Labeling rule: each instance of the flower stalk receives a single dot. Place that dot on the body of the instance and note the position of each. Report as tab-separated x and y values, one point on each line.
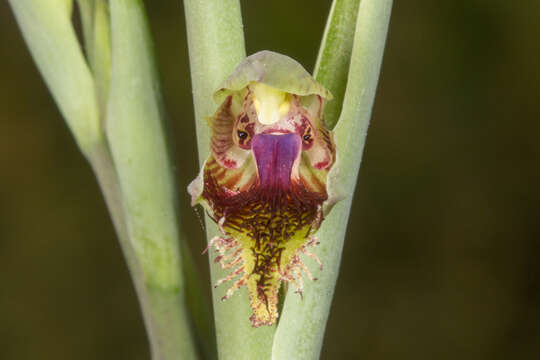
137	135
216	46
301	330
333	61
112	103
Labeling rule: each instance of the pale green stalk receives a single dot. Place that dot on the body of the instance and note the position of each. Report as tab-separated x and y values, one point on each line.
216	47
51	39
47	29
301	329
96	28
86	12
130	158
137	136
334	57
100	55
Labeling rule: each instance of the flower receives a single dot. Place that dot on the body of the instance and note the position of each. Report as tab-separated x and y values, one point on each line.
265	182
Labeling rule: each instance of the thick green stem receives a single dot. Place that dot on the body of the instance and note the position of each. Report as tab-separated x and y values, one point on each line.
301	329
137	136
198	305
47	29
216	46
334	56
101	160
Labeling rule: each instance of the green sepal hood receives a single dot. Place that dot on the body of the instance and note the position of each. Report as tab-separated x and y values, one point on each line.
276	70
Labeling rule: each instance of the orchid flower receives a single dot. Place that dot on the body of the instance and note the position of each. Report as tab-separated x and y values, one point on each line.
265	181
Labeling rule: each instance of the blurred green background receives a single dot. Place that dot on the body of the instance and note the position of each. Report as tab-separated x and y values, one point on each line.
441	261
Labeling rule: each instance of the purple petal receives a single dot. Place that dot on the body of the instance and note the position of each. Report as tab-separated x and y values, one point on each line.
275	156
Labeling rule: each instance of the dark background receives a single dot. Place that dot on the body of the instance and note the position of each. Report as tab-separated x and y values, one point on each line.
441	261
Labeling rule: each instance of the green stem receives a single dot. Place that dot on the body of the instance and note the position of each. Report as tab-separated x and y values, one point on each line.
102	164
198	305
301	329
131	159
48	32
334	56
216	46
86	11
96	27
100	61
137	137
50	36
101	160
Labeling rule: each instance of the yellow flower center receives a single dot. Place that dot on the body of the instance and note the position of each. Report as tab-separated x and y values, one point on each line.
270	103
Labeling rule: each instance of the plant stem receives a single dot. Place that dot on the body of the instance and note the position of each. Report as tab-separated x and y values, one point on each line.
301	329
216	46
102	164
86	11
137	136
334	56
131	160
49	34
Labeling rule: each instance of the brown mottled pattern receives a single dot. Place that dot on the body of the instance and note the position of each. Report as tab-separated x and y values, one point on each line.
270	217
328	140
222	127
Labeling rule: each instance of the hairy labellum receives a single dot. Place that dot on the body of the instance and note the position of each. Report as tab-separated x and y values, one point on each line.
265	181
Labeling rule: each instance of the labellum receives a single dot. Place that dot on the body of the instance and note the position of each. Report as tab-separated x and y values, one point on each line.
265	181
